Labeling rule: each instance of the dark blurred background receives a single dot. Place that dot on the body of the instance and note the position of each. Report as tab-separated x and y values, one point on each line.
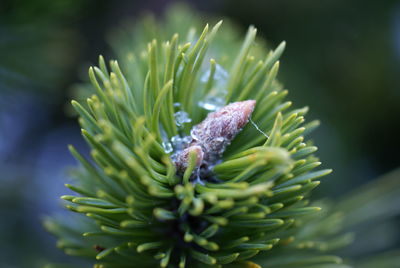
342	60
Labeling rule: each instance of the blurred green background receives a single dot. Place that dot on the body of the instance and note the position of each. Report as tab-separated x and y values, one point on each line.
342	60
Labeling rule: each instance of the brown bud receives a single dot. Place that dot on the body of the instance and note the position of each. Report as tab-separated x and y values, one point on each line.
220	127
210	137
182	158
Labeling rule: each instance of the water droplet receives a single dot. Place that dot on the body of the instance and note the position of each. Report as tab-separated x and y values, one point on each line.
179	143
176	141
198	178
212	103
167	147
187	139
193	135
216	97
182	117
220	76
166	144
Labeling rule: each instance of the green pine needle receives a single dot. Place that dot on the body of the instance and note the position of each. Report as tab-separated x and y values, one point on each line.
140	212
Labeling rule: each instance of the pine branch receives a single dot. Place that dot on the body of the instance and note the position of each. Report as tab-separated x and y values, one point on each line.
240	198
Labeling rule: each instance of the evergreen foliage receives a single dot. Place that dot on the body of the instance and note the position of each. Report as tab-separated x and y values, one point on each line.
135	210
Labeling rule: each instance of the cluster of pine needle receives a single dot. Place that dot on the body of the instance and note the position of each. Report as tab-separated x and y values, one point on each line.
136	211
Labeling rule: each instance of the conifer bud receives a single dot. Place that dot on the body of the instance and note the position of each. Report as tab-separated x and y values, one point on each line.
210	137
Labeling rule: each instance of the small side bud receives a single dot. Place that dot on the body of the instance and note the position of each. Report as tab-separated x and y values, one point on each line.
182	159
